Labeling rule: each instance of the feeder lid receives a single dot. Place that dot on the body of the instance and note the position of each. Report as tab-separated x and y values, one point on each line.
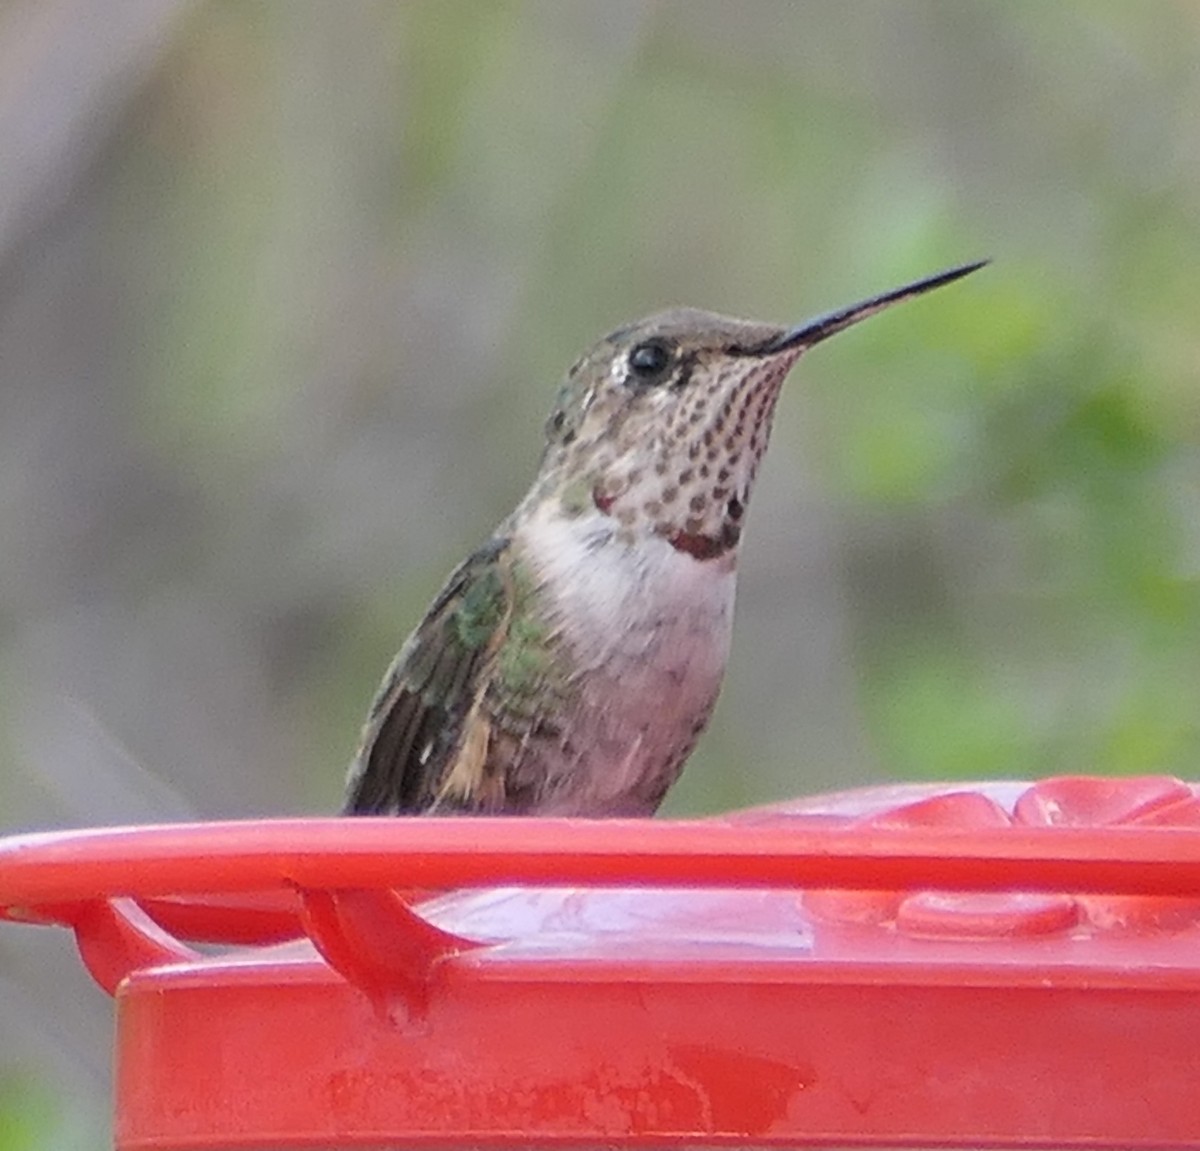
1004	964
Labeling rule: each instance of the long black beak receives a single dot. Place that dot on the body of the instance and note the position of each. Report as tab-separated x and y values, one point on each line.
812	332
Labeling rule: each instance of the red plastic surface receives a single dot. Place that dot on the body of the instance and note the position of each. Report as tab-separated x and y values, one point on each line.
996	965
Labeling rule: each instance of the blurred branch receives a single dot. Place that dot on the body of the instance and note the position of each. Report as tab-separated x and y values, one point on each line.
67	70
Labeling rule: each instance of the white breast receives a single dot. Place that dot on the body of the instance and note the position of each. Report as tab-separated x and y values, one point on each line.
649	630
620	599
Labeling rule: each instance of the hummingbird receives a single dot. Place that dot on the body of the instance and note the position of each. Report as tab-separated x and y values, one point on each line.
569	665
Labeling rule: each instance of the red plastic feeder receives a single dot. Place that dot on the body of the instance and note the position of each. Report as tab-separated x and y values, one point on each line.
998	965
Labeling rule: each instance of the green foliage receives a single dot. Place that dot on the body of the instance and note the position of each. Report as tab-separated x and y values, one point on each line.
1068	641
30	1117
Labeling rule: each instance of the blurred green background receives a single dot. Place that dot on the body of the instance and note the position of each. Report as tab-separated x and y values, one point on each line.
286	289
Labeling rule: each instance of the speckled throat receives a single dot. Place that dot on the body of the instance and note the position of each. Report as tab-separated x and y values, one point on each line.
694	486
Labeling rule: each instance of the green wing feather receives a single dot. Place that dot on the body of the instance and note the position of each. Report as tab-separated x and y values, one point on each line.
425	723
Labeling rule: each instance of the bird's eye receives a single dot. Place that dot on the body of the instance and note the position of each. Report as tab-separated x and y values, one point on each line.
648	361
